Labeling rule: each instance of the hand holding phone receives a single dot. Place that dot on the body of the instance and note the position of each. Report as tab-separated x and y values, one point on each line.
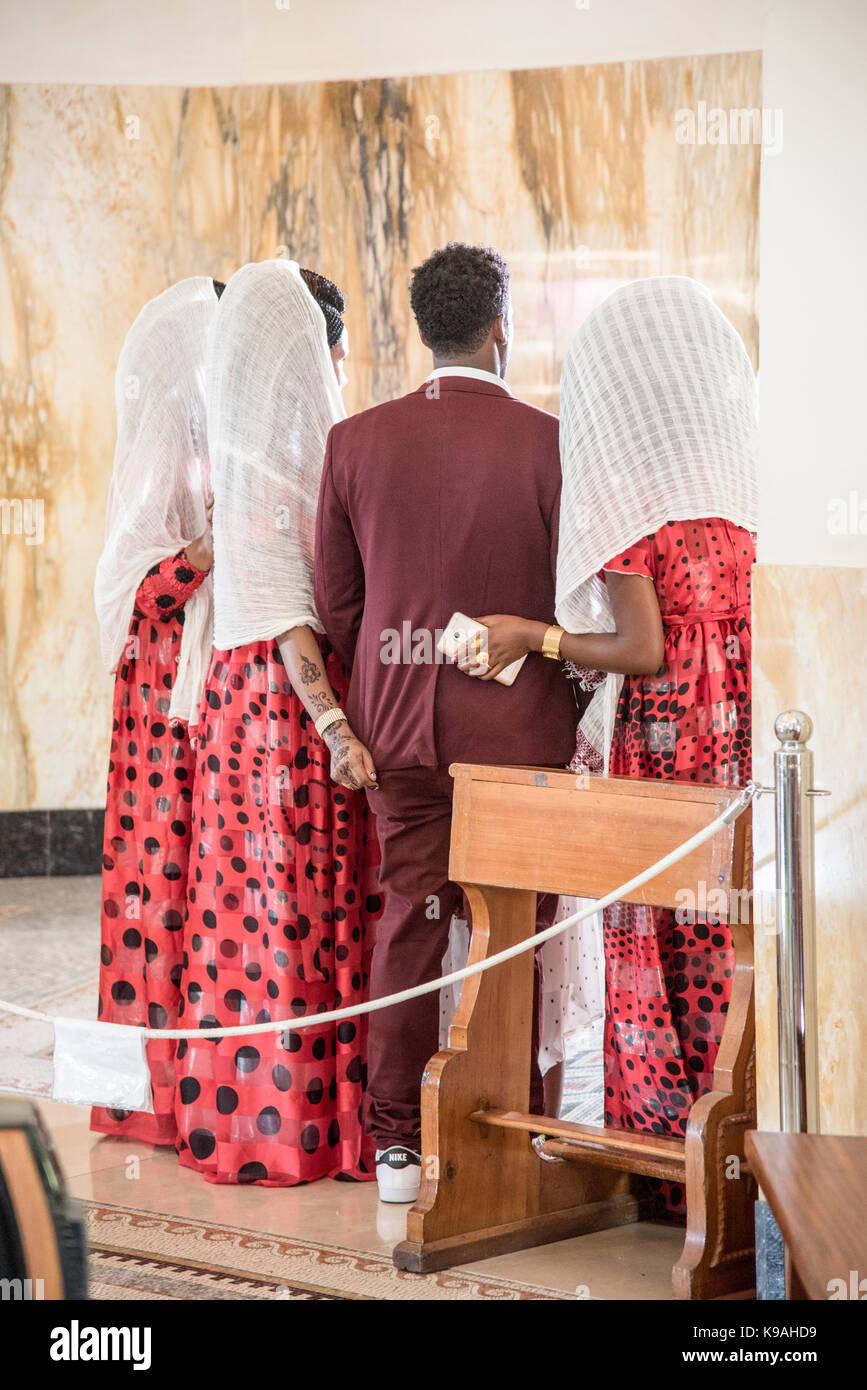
461	631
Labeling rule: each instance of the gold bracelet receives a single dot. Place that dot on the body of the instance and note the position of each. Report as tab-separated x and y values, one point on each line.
551	642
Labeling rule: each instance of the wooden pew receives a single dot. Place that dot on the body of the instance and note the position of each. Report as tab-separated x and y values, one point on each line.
485	1190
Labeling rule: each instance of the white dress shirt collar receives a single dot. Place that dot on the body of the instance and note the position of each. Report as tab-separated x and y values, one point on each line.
477	372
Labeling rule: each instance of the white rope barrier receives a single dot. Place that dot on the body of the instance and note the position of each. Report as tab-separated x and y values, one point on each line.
731	813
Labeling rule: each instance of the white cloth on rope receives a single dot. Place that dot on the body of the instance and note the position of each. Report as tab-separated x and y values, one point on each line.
658	423
101	1064
156	499
272	397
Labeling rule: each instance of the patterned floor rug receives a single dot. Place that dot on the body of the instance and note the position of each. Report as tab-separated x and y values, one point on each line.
138	1255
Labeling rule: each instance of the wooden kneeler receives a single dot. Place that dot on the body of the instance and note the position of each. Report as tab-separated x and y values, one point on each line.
485	1190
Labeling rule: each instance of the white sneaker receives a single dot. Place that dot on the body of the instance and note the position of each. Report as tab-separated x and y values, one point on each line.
398	1174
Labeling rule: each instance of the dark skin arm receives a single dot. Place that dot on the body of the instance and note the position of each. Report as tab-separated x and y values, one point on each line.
201	552
635	648
351	763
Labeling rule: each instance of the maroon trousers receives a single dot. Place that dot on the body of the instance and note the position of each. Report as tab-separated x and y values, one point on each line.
413	809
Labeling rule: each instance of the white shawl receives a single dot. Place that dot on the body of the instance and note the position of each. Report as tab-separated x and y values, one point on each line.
658	423
156	500
272	398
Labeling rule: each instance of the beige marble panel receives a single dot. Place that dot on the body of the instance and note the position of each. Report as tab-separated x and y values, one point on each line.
573	173
280	171
107	195
808	655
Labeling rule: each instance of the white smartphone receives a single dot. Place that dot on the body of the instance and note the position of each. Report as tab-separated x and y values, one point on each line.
461	629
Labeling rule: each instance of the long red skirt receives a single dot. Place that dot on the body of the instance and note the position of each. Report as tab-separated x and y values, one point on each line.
147	835
283	894
668	976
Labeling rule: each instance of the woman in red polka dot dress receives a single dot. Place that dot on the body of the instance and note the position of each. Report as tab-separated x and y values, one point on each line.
668	976
659	443
147	834
156	636
283	866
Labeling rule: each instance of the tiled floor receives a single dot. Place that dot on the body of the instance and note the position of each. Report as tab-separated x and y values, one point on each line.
37	943
630	1262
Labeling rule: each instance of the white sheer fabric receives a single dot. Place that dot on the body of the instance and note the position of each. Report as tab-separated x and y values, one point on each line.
272	398
156	500
573	983
659	422
455	958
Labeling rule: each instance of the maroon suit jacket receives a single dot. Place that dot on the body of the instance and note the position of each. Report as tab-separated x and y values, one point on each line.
438	502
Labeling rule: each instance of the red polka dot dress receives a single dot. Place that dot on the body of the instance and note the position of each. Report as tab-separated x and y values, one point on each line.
668	982
147	835
283	895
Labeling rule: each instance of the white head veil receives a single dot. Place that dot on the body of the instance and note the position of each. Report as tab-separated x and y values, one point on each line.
272	398
156	500
659	422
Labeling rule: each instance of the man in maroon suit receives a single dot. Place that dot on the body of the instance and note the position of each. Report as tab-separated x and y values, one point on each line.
445	500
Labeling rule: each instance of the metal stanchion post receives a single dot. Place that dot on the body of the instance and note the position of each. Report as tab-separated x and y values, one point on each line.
796	931
796	914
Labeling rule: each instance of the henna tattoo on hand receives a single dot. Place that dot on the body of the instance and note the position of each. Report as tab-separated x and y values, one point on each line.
321	702
310	672
342	773
339	741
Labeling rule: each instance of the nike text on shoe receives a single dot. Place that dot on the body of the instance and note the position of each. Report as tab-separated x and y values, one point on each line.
398	1174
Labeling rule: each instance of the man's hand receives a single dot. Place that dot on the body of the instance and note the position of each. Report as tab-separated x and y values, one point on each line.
351	763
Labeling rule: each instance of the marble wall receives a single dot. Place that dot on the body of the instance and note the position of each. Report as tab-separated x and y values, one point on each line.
107	195
803	659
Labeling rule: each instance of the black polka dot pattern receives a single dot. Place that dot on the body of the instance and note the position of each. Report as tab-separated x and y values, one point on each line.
279	926
147	834
668	982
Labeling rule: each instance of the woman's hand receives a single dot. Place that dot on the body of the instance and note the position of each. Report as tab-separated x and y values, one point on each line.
200	553
351	763
507	639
